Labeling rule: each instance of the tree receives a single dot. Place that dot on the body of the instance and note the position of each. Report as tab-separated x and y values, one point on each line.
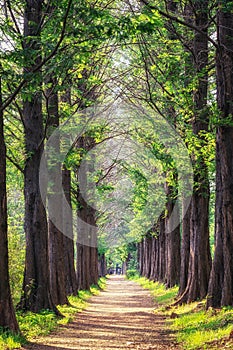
87	254
36	285
55	207
186	212
68	238
220	290
200	259
172	240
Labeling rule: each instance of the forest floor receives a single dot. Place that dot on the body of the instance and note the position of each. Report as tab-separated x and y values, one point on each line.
120	317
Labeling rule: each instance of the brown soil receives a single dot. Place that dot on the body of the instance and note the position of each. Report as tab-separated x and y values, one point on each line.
121	317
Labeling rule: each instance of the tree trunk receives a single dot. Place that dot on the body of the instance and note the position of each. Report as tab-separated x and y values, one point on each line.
36	287
185	251
102	266
200	258
55	207
79	249
157	259
140	258
162	267
217	275
68	238
87	273
153	272
94	265
146	256
221	281
144	252
7	313
172	242
186	215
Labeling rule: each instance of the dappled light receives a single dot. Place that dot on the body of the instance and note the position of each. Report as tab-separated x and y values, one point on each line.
121	317
116	159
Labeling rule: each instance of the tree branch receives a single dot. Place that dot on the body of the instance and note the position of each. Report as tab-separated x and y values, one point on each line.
180	21
41	64
15	164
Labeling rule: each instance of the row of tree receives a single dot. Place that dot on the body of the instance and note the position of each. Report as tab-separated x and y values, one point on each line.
56	61
49	61
203	30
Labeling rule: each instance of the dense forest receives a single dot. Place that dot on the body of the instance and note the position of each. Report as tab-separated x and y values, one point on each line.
116	147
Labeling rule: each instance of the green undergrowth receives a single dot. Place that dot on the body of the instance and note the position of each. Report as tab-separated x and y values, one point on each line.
33	325
194	326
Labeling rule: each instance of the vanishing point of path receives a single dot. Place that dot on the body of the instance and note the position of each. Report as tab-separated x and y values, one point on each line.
121	317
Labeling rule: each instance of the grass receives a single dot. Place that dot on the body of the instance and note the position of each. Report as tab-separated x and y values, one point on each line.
9	340
33	325
198	329
194	327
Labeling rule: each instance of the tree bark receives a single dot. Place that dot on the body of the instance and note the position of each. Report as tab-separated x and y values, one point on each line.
55	207
102	266
185	251
79	262
94	265
146	256
7	313
153	272
140	257
217	276
172	242
162	250
221	281
68	238
87	267
172	234
185	237
200	258
36	286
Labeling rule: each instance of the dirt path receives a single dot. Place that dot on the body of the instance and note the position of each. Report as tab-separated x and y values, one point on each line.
121	317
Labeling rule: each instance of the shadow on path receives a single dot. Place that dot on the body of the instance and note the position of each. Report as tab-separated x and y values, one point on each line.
119	318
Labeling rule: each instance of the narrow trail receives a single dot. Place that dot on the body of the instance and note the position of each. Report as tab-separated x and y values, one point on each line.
121	317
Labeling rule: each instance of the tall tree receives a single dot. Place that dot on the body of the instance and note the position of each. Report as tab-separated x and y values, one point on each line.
36	285
87	253
55	207
221	282
186	212
68	238
200	258
173	235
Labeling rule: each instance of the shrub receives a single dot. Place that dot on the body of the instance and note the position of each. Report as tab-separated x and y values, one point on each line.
131	273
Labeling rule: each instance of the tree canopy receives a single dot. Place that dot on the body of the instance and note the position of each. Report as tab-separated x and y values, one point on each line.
115	146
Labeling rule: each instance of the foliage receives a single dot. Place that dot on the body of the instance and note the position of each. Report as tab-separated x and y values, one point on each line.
132	263
132	274
10	340
36	324
16	238
160	293
116	255
106	54
16	246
